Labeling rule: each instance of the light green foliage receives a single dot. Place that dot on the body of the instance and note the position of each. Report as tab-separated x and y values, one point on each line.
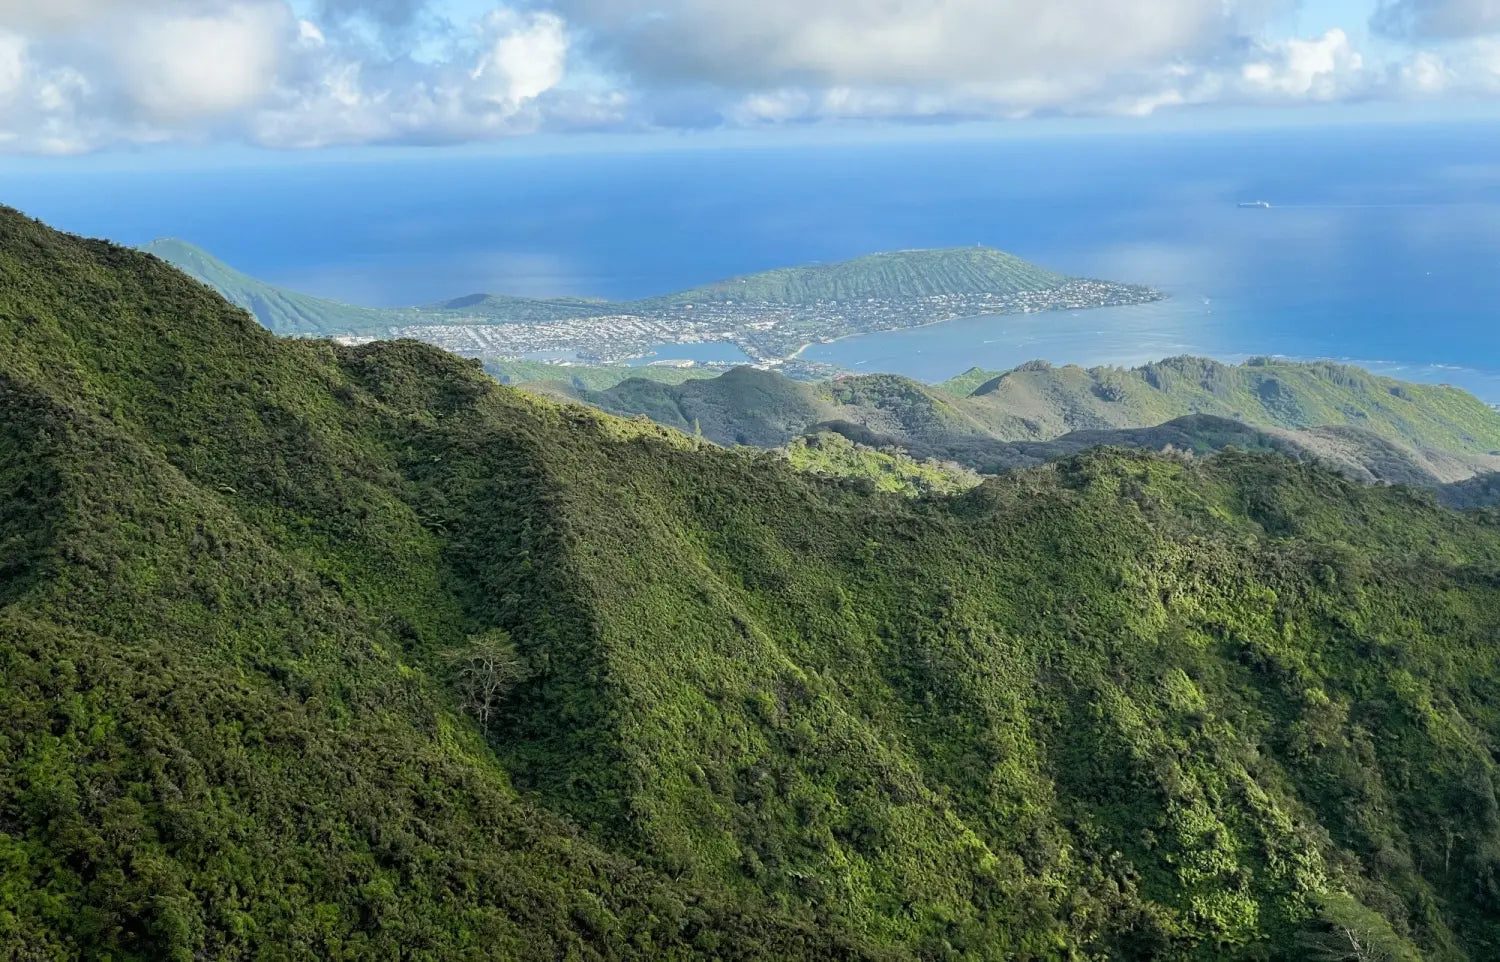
1124	706
964	384
1350	932
833	455
484	671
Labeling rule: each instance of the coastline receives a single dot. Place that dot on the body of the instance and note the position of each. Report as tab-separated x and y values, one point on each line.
797	354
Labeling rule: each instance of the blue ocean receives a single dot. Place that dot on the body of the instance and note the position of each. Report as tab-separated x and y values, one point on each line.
1381	245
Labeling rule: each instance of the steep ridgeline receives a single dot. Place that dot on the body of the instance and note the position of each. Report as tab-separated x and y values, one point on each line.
1373	427
288	312
280	310
1122	707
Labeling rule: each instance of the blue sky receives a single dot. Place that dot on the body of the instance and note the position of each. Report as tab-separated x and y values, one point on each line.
90	76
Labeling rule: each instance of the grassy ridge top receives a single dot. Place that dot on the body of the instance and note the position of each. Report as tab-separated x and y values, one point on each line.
1124	707
890	276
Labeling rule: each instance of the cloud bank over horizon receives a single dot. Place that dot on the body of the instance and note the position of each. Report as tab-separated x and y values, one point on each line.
84	75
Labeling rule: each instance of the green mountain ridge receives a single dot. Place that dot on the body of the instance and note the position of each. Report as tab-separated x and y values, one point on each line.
1124	706
1355	453
290	313
280	310
1377	428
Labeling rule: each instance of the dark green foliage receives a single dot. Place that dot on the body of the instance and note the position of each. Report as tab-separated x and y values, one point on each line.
833	455
1126	706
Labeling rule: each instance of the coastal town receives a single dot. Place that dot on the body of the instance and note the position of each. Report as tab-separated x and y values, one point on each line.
768	334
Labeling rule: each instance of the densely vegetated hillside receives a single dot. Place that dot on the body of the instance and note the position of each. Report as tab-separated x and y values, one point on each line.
1376	428
1125	706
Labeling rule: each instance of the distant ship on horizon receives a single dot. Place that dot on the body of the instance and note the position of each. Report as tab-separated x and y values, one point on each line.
1259	204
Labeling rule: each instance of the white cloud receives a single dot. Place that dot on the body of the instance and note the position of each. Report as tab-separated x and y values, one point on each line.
1438	19
309	34
1295	71
179	68
768	43
86	74
83	74
526	57
775	61
1321	69
1469	69
503	80
12	65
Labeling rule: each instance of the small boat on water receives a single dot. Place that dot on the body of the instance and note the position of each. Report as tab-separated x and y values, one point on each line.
1257	204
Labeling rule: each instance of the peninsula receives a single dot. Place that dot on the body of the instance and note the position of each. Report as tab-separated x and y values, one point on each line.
770	316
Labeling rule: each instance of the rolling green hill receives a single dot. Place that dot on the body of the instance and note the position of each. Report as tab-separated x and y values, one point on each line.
888	276
1046	401
741	406
1375	427
351	653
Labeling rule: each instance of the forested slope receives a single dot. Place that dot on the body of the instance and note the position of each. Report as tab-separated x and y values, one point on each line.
1126	706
